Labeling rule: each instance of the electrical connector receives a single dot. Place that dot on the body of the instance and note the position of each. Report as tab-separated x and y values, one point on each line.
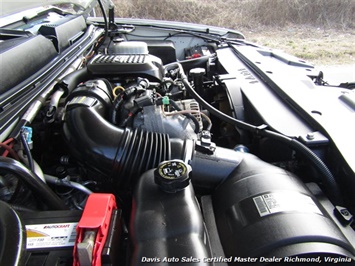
28	136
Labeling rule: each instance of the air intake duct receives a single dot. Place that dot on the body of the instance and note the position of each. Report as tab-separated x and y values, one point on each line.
113	151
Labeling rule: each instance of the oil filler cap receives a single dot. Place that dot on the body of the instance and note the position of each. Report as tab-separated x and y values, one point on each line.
172	176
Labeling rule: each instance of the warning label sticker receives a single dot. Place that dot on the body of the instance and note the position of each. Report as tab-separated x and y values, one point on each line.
275	202
50	235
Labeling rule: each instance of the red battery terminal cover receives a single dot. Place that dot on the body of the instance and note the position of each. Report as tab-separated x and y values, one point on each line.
95	218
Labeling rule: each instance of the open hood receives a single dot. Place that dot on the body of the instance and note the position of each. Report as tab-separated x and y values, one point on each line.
132	141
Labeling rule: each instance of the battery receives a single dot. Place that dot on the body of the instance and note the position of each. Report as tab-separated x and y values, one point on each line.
50	236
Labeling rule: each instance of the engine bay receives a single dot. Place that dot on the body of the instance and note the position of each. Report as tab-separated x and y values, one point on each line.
185	148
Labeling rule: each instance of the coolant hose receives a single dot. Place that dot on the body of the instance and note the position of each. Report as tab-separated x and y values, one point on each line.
34	182
328	179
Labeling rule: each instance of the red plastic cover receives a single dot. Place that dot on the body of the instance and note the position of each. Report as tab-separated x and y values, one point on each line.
96	216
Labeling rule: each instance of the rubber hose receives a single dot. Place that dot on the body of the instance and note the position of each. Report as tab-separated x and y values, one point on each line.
34	182
328	179
69	82
115	109
67	183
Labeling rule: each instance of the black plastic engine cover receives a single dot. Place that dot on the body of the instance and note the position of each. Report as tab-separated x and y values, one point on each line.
144	65
264	211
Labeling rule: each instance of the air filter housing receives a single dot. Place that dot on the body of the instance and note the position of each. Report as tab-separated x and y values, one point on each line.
265	211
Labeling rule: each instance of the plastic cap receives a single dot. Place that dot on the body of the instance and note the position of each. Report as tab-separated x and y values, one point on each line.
172	176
